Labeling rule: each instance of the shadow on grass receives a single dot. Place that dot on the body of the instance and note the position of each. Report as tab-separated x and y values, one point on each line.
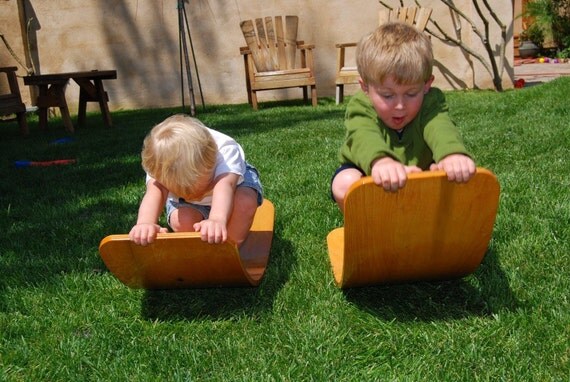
485	292
53	218
223	303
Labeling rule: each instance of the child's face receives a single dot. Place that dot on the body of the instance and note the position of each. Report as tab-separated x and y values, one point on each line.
396	105
202	188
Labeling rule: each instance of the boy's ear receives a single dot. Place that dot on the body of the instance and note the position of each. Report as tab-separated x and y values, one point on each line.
363	85
428	83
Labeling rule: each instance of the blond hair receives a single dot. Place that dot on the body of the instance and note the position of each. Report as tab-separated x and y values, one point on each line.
395	50
178	152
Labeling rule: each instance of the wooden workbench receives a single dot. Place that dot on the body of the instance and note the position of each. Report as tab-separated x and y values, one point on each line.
52	94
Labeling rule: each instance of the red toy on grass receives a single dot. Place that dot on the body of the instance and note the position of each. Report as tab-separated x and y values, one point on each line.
58	162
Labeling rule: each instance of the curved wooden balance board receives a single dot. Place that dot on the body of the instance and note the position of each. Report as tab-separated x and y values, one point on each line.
432	229
183	260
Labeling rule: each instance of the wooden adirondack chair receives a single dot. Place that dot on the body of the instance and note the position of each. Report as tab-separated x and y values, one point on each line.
432	229
11	102
183	260
346	75
270	58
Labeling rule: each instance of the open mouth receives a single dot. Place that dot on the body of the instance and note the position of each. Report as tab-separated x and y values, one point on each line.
398	120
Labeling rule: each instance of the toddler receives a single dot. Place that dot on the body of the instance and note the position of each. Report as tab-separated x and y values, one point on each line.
202	178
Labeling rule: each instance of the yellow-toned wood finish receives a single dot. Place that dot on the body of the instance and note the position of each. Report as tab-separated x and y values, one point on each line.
270	58
346	74
432	229
183	260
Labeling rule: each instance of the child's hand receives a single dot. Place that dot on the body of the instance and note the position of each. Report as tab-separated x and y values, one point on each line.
145	233
458	167
212	231
391	174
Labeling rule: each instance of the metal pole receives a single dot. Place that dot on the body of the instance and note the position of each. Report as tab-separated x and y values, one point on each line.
194	57
183	49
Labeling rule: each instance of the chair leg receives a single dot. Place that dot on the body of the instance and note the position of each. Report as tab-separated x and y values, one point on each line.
254	100
249	96
305	94
339	93
314	95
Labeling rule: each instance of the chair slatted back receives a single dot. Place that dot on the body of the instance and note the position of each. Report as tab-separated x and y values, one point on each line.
272	43
418	17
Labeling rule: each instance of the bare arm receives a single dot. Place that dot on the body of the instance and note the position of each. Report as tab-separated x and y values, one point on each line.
214	229
144	232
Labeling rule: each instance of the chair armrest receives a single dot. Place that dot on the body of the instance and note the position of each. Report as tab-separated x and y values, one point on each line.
301	45
244	50
346	45
340	54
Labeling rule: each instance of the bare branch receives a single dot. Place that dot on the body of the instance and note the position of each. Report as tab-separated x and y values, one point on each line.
444	37
503	27
484	35
494	15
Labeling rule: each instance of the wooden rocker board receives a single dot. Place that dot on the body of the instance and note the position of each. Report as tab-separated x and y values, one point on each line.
183	260
432	229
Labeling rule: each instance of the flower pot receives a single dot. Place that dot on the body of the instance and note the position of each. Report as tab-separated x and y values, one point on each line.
528	49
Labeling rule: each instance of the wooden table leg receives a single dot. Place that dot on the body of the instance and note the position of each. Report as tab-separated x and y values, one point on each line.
43	107
54	96
82	109
92	92
58	93
102	98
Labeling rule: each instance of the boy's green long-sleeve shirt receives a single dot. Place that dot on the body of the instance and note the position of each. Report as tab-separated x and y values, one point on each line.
430	136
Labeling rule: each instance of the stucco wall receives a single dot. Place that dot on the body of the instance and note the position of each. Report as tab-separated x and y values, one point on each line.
139	38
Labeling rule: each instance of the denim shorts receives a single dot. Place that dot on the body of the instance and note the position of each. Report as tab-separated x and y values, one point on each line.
250	179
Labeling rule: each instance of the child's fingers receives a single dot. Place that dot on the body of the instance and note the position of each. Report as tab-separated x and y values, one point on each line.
211	232
144	234
434	167
460	171
412	169
393	179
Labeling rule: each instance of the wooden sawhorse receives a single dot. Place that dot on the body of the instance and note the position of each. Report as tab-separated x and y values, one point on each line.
52	94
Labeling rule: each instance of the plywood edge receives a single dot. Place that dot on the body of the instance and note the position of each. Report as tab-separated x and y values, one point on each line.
254	252
335	244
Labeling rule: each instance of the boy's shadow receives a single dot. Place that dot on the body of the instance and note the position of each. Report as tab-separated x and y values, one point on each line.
223	303
487	293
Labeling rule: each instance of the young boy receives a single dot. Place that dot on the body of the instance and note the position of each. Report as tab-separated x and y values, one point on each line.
398	124
203	179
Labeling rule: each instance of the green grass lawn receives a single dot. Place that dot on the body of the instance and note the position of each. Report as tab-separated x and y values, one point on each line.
64	317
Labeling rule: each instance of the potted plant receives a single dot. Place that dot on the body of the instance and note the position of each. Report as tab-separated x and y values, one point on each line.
532	39
563	55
